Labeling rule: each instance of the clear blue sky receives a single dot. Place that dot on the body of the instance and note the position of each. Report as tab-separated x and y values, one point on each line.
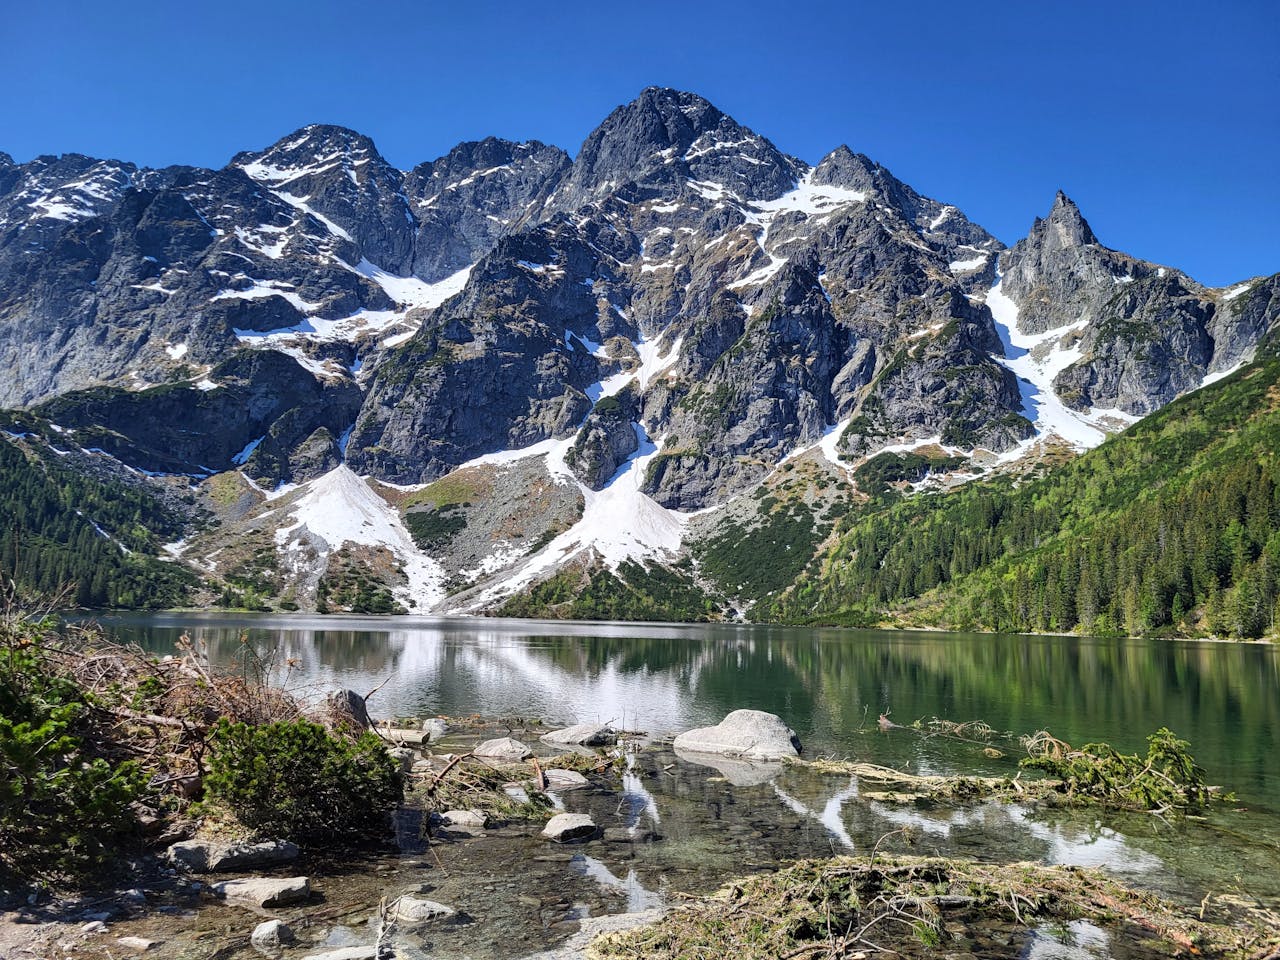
1162	120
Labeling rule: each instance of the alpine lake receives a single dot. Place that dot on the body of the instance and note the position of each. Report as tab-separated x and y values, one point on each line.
517	895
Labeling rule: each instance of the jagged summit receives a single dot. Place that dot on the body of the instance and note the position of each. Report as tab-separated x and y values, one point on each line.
1065	226
666	136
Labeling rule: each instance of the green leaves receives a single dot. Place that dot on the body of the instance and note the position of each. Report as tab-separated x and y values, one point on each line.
63	810
293	781
1168	778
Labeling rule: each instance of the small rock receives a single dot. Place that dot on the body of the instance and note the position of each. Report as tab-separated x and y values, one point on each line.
97	915
569	828
582	735
466	818
209	856
271	934
503	748
411	910
565	779
407	756
434	728
346	953
263	891
94	927
749	734
137	944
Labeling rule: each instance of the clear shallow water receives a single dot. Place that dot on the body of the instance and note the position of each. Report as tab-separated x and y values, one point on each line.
830	685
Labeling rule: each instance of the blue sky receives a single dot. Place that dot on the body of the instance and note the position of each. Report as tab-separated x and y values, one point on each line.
1162	120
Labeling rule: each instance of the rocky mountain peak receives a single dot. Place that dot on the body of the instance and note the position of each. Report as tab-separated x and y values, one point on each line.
666	137
308	152
1065	227
844	168
5	159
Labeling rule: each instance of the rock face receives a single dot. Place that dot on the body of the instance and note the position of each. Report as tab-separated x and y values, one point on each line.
264	892
207	856
1145	333
745	734
570	828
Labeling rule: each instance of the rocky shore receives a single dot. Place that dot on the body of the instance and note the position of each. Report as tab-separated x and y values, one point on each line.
516	841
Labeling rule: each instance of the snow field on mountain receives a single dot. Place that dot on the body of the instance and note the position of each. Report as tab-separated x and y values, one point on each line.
340	508
1035	360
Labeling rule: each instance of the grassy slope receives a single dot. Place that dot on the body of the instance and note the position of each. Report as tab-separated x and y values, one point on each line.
1170	527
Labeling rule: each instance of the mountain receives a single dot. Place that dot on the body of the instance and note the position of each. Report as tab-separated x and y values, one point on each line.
664	371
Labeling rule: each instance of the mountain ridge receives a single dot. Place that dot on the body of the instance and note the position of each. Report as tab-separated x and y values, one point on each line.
661	324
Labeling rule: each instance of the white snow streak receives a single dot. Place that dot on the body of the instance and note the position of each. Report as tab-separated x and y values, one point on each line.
1040	404
340	508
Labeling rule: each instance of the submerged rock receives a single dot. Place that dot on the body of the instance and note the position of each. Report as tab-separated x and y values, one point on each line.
346	953
411	910
210	856
739	772
570	827
503	748
748	734
264	891
582	735
137	944
271	934
565	779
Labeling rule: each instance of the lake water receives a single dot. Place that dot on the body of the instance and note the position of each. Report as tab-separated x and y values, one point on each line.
830	686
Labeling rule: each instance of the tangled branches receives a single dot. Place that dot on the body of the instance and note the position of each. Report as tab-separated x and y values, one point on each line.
847	906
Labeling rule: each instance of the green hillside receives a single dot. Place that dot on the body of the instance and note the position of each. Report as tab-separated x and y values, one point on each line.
61	529
1172	527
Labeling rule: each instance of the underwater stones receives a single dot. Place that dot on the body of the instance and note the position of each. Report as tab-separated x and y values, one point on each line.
570	828
503	748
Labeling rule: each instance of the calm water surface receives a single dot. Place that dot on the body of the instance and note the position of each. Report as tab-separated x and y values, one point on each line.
830	685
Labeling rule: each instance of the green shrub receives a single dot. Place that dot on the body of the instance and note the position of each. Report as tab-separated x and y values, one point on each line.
292	780
63	809
1168	777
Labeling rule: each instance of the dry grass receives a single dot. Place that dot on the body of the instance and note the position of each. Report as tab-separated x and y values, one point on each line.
905	906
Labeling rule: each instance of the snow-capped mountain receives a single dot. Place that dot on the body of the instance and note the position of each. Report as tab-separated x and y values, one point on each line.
459	378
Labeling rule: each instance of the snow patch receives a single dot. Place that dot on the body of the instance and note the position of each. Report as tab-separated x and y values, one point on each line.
340	508
176	351
1036	359
241	458
1238	290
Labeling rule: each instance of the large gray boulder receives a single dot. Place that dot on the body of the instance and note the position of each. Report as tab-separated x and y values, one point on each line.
210	856
747	734
413	911
263	891
582	735
570	827
271	935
